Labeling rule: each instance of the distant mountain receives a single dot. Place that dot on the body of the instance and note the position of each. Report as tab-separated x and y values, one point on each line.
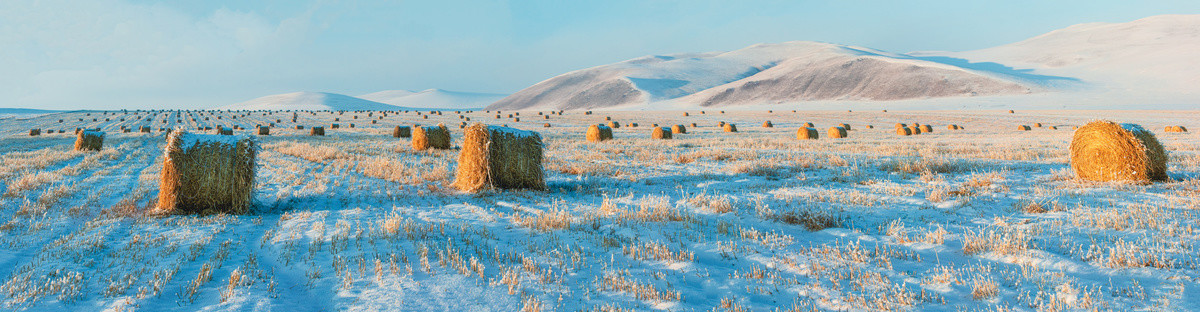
24	112
1156	53
309	101
434	98
792	71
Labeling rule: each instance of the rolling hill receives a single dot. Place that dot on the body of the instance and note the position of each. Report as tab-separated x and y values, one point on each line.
309	101
434	99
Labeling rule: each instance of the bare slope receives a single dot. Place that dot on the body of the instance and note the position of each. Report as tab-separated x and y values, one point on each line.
309	101
434	98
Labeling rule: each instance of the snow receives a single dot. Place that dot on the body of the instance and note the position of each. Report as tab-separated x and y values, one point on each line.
310	101
434	98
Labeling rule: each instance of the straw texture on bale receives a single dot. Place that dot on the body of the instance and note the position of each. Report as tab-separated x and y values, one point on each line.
89	140
597	133
914	129
1107	151
499	157
807	134
426	137
837	132
205	174
317	131
1023	128
926	129
952	127
900	125
903	131
614	125
660	133
1175	129
679	129
401	132
730	128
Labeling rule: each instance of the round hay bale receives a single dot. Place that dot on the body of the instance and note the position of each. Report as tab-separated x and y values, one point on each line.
914	129
903	131
926	129
1107	151
680	129
607	118
1023	128
685	114
426	137
89	140
264	130
767	124
845	126
220	130
730	128
35	132
1052	128
499	157
1176	129
808	133
660	133
614	125
809	125
401	132
837	132
546	125
634	125
951	127
299	127
205	174
334	126
694	125
870	126
1038	125
597	133
1010	111
316	131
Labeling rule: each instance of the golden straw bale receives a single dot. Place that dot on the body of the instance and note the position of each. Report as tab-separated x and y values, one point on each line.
845	126
1107	151
914	129
426	137
952	127
660	133
806	133
837	132
35	132
809	125
89	140
903	131
597	133
316	131
900	125
207	174
401	132
679	129
1023	128
1052	128
730	128
614	125
767	124
264	130
499	157
926	129
1037	125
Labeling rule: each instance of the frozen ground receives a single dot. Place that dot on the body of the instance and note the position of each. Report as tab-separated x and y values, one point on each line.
985	218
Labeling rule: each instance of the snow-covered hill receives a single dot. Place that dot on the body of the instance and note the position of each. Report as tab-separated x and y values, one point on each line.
1157	54
434	98
789	71
309	101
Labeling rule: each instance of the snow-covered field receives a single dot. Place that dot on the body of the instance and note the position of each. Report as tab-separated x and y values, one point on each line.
986	218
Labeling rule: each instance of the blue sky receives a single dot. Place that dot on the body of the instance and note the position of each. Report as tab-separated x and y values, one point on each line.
109	54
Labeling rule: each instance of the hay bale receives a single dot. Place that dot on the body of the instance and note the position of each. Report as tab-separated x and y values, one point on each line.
222	131
1039	125
767	124
730	128
1176	129
334	126
685	114
926	129
845	126
660	133
35	132
264	130
694	125
903	131
837	132
679	129
614	125
1023	128
1010	111
597	133
634	125
914	129
426	137
806	133
89	141
401	132
499	157
205	174
1107	151
546	125
952	127
316	131
1052	128
809	125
